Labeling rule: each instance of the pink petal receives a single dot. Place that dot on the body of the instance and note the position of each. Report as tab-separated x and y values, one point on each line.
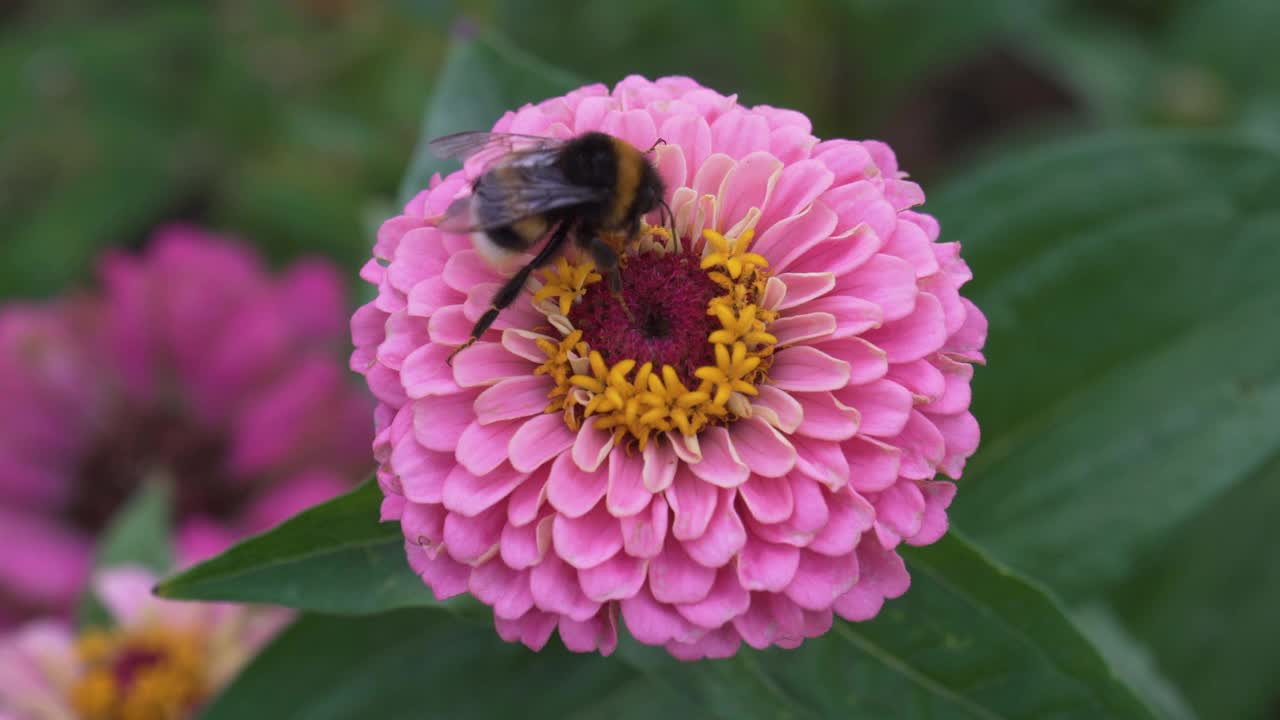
423	525
799	184
849	515
513	398
823	461
909	242
449	326
726	600
617	578
644	533
853	315
591	447
764	450
914	336
485	363
873	466
866	361
660	463
937	497
470	494
589	540
881	575
955	398
922	446
502	588
885	406
767	566
480	448
425	372
571	490
438	422
445	576
525	546
539	440
715	645
738	133
746	186
651	622
556	590
778	408
800	288
675	578
692	134
920	377
826	418
526	501
807	369
886	281
693	502
901	508
724	537
627	494
768	499
533	630
598	633
472	540
793	329
422	472
790	238
820	579
720	463
962	435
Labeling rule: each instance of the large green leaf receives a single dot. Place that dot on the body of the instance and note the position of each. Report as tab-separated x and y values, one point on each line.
969	640
1206	602
1135	374
335	557
483	77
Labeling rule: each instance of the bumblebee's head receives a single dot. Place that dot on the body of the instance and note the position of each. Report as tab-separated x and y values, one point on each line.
651	195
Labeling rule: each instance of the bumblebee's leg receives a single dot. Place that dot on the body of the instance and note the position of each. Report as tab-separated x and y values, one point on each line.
606	260
508	293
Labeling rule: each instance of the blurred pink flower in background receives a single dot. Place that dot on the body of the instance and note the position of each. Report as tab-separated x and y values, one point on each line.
160	660
818	358
192	365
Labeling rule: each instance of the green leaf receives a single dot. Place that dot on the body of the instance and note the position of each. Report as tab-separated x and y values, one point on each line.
482	78
1124	278
969	640
1206	602
1133	661
416	664
138	535
335	557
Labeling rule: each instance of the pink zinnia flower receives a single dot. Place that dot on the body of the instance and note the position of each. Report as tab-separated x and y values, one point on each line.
737	464
193	365
160	660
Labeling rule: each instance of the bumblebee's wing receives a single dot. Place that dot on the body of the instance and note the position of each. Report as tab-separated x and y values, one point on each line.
465	145
517	191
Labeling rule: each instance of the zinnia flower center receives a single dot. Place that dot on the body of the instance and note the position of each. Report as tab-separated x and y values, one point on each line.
153	674
685	352
139	444
667	296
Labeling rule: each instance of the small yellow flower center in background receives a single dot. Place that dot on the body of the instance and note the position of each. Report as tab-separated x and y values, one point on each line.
149	674
631	398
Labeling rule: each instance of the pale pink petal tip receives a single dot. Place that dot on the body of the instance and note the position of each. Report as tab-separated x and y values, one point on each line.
759	531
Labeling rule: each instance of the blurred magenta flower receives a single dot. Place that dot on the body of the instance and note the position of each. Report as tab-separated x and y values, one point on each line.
193	365
160	660
738	463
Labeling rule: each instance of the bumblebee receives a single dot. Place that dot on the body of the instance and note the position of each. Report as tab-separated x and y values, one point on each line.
592	189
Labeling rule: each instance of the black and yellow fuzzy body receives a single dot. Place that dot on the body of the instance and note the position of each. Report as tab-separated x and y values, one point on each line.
542	190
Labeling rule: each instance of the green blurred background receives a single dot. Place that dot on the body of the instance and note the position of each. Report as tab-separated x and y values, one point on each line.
291	123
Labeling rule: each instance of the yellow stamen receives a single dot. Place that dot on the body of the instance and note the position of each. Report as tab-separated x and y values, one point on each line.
637	401
567	282
153	673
